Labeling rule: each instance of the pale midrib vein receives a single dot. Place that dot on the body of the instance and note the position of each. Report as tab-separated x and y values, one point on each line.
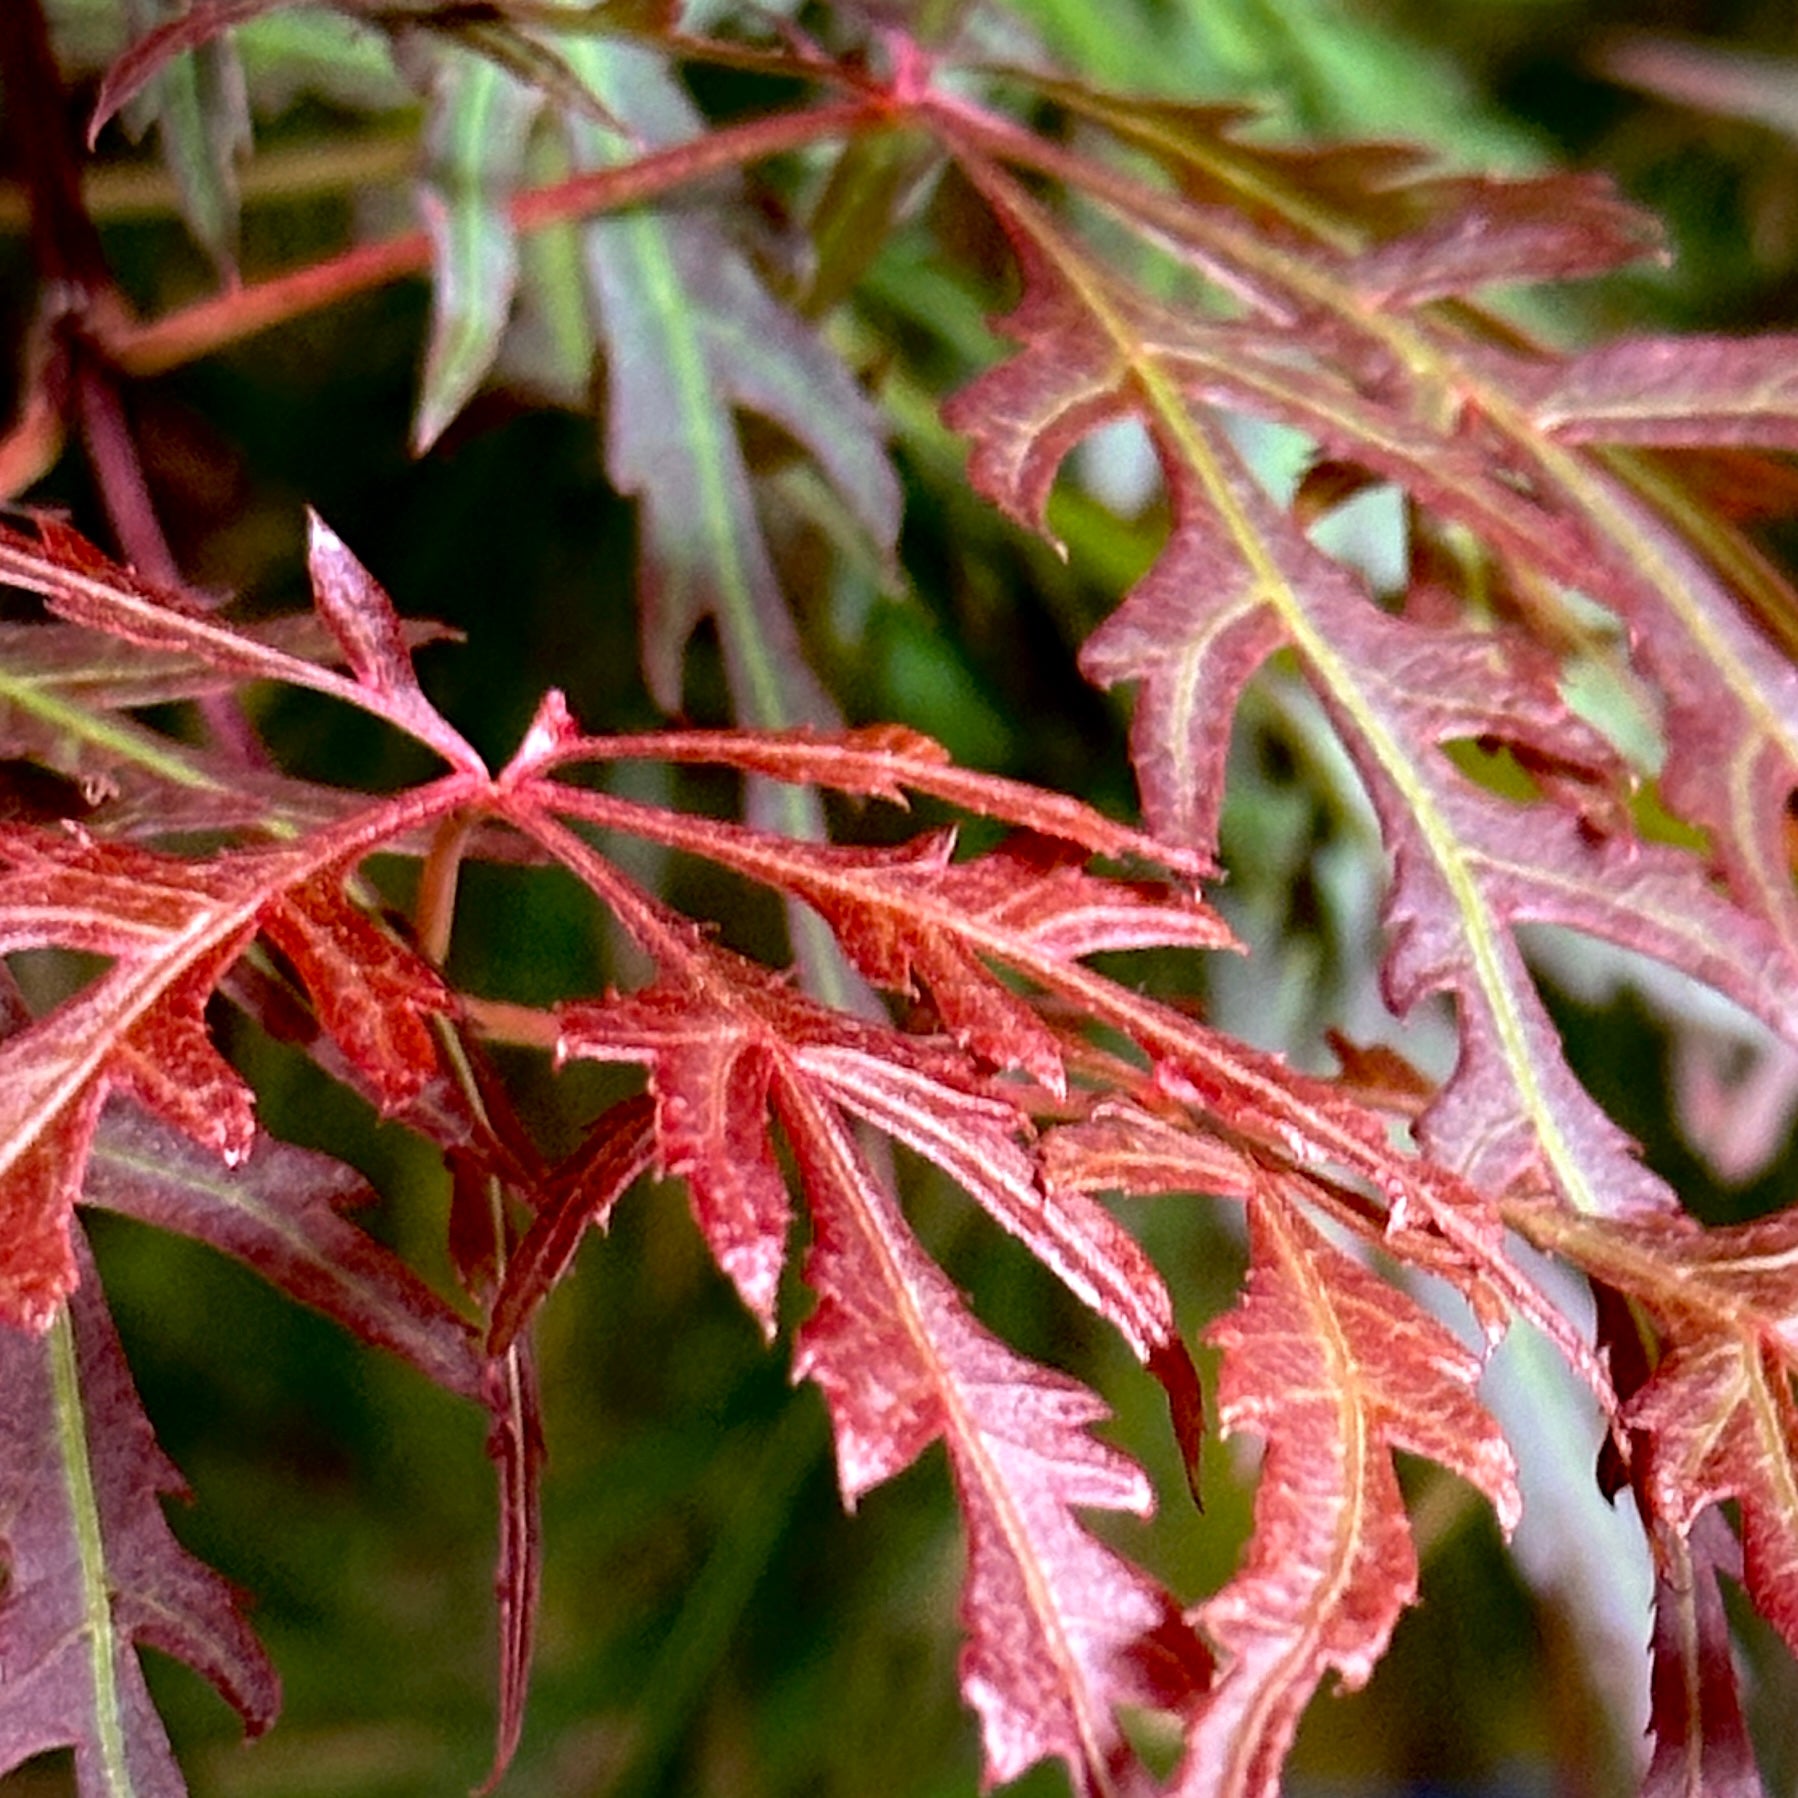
1769	1427
139	988
287	1230
686	361
1395	765
1170	412
84	1517
970	1440
1415	350
117	1020
1354	1439
706	436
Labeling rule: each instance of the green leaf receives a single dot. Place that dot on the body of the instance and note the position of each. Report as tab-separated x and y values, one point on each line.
691	333
481	119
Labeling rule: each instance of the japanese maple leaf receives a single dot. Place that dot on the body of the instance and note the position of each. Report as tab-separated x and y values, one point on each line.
92	1571
1060	1629
172	927
1712	1419
1721	1424
914	914
1335	1368
1701	1743
715	1036
1239	580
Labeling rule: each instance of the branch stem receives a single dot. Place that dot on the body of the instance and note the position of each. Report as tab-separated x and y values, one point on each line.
213	324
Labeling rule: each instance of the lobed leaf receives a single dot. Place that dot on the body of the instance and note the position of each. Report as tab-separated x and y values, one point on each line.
1334	1368
93	1572
1674	392
1720	1414
1238	580
1060	1629
173	927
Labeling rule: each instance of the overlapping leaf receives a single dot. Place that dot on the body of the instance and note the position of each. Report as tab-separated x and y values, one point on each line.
1060	1629
172	927
1716	1417
1334	1368
1237	581
1031	907
1332	264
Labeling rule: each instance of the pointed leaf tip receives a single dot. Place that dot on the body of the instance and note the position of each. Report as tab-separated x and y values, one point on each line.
356	608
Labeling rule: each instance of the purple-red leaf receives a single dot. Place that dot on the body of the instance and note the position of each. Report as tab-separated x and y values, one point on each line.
1701	1745
1671	391
362	618
173	928
80	584
372	993
1334	1369
1491	231
1060	1629
1238	580
1720	1416
279	1211
92	1570
709	1072
515	1444
579	1193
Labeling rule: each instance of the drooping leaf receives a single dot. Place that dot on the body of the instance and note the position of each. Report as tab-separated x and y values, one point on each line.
1334	1369
515	1445
578	1194
280	1212
93	1572
1060	1629
1701	1745
1720	1415
709	1075
480	119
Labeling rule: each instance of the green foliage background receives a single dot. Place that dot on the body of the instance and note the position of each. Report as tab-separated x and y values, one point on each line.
712	1623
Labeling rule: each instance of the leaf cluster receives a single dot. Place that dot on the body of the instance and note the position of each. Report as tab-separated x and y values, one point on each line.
1573	703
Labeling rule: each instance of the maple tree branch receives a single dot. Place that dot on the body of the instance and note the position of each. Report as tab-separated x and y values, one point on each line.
80	300
213	324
